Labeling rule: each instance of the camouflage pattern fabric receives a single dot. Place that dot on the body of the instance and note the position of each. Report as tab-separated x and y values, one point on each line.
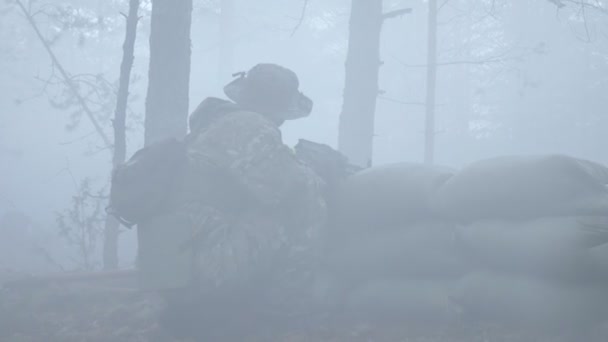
256	211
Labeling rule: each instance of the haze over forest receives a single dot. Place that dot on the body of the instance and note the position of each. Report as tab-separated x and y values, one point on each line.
513	77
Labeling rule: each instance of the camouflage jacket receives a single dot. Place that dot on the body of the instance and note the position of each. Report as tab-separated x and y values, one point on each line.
253	206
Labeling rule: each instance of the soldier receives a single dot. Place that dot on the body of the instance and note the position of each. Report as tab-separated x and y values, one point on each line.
254	210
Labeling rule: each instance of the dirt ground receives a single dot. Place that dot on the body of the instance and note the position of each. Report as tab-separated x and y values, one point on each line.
110	308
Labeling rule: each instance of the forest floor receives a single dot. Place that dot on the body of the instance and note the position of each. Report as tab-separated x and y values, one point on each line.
100	309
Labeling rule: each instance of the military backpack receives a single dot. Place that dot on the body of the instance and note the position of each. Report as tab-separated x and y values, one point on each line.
142	185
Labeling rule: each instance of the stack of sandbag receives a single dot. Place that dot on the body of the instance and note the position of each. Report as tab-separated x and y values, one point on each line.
535	229
388	196
513	239
387	252
524	187
531	303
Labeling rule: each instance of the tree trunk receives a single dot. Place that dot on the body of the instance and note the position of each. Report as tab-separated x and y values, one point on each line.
111	231
431	80
226	56
356	131
160	263
169	73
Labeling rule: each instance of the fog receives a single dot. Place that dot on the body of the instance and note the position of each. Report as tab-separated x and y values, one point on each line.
513	78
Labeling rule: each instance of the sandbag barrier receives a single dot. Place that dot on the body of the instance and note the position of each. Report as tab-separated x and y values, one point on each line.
515	240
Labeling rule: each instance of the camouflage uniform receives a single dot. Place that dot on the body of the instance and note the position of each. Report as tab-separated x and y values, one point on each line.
272	210
255	210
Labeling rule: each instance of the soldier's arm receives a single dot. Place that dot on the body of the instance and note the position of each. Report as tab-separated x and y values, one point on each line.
251	148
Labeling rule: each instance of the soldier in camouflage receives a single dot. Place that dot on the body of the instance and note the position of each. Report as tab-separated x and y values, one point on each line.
255	210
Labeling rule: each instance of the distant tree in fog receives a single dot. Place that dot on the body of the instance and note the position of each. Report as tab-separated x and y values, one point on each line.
227	40
431	80
356	131
88	94
82	225
111	229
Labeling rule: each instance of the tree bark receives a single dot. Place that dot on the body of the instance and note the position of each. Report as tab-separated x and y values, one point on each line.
111	230
169	73
226	56
431	80
356	130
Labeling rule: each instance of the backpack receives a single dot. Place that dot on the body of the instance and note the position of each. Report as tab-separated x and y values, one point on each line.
141	186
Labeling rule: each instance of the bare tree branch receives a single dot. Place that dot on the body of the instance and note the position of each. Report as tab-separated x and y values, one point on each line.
498	58
557	3
396	13
597	6
445	2
462	62
431	84
586	24
301	20
64	143
67	79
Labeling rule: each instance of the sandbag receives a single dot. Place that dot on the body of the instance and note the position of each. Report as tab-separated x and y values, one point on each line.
530	302
425	250
565	248
521	187
386	196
